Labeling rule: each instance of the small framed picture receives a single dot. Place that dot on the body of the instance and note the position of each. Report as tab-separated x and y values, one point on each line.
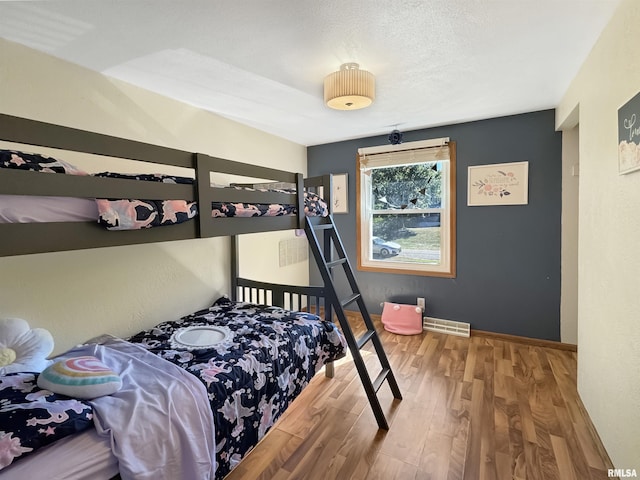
340	193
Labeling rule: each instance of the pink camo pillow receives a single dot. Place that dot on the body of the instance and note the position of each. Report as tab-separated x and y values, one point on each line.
402	319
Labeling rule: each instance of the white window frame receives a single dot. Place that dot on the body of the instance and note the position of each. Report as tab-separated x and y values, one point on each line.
366	262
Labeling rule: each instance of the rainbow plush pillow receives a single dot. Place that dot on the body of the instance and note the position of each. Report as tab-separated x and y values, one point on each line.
80	377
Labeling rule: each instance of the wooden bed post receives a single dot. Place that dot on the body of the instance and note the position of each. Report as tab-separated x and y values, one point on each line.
300	200
234	267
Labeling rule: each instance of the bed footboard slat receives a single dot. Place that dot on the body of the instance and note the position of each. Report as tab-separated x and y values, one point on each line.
299	297
33	132
216	227
27	238
22	182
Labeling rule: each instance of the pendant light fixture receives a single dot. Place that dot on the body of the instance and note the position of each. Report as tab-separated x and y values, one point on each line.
349	88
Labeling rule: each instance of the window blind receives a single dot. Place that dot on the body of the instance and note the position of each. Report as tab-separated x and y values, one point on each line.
408	155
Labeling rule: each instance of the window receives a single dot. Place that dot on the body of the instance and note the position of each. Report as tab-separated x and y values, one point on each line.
406	208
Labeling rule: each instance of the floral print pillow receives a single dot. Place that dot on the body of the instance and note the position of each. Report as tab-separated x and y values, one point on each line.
31	418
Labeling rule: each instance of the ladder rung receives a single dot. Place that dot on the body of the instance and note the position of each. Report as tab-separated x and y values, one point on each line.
323	226
335	263
349	300
381	378
365	338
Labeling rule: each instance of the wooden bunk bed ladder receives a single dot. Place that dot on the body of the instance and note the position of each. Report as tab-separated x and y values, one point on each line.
326	263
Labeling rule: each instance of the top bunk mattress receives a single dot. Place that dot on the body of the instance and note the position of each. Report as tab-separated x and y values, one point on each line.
128	214
30	209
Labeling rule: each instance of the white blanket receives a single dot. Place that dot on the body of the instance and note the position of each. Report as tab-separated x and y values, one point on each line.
160	422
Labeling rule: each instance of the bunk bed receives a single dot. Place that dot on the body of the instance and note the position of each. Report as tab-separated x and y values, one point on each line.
315	341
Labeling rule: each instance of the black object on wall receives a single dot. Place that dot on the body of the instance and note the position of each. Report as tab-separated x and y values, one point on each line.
508	257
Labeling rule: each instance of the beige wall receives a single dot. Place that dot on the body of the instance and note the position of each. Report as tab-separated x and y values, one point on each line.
569	254
609	234
120	290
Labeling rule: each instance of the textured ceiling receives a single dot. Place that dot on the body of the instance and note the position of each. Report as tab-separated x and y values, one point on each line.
262	62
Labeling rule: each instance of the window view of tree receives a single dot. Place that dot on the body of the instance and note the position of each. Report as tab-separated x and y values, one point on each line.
406	213
409	186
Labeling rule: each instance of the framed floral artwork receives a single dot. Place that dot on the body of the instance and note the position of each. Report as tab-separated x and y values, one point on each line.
498	184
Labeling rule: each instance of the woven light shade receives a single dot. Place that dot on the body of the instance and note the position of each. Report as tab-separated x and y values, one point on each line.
349	88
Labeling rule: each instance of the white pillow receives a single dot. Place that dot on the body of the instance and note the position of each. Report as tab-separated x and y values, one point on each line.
23	349
80	377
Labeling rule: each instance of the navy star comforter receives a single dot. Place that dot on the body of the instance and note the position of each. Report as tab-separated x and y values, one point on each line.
255	373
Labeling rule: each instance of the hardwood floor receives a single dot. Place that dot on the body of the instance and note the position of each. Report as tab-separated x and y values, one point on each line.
473	408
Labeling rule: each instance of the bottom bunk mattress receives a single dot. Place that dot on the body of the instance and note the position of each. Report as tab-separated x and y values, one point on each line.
257	361
163	419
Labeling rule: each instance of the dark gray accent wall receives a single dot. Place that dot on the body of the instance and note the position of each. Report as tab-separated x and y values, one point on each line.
508	257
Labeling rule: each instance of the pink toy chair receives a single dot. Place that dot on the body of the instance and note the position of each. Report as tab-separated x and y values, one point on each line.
402	319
